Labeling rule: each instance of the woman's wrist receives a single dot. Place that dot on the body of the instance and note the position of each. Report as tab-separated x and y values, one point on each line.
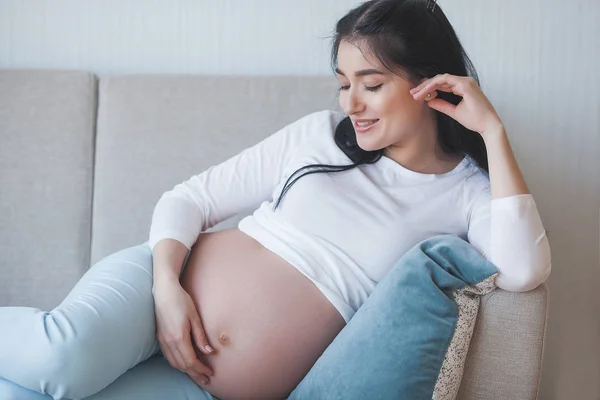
166	277
167	259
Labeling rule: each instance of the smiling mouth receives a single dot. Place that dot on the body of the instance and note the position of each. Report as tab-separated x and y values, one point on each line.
363	127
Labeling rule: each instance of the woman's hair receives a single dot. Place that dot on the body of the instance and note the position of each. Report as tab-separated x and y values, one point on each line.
412	39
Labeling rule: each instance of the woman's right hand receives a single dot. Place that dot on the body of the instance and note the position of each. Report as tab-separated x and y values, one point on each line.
177	321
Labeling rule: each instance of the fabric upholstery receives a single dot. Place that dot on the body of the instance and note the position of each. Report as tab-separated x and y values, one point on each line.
505	357
155	132
47	125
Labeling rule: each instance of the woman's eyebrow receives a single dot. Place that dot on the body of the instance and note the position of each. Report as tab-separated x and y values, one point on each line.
362	72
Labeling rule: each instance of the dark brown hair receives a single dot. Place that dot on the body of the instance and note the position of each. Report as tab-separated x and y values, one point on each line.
413	40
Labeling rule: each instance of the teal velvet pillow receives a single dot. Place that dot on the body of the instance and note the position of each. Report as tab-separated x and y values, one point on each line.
411	337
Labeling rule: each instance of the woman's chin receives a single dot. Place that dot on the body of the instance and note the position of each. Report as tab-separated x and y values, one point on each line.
369	146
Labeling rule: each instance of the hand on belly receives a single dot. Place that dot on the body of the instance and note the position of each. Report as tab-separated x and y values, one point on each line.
266	321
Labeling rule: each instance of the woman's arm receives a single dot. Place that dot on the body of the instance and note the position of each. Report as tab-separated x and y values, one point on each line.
506	178
509	231
242	182
167	260
518	243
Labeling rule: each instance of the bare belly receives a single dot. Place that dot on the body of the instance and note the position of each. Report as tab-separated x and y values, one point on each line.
267	322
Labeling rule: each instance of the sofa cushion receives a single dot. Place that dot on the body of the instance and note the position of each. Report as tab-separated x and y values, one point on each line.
157	131
47	121
506	353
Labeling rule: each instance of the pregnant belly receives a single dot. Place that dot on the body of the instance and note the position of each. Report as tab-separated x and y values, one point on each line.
267	322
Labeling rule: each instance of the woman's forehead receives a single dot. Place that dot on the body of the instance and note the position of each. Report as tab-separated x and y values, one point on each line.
357	60
352	59
358	51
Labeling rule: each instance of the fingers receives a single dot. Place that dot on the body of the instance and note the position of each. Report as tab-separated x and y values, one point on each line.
431	95
176	360
422	93
171	358
181	355
445	82
198	378
443	106
441	79
191	362
192	366
199	335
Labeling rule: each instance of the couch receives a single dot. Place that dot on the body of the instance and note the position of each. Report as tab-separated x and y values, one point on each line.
84	159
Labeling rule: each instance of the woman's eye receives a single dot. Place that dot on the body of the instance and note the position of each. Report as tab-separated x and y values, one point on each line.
373	88
369	88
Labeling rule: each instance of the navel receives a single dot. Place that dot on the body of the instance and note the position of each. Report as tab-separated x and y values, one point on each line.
224	339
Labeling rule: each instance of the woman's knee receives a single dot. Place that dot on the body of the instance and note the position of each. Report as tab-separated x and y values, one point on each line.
140	254
12	391
62	369
105	328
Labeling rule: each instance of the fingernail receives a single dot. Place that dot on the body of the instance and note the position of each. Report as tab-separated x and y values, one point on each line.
208	348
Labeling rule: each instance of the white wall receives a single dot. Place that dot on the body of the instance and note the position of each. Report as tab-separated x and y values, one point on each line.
538	62
182	36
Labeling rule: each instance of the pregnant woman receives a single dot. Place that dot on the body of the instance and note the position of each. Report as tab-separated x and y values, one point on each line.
417	152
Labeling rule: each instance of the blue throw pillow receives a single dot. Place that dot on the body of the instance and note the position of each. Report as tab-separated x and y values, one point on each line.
411	337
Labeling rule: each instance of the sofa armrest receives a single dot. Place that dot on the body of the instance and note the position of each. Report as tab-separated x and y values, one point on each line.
505	356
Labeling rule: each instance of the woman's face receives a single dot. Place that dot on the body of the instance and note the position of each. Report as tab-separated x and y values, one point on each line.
370	92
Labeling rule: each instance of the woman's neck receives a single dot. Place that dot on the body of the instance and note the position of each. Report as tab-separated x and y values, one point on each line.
422	153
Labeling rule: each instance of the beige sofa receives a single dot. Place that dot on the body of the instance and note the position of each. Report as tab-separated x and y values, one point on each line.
83	161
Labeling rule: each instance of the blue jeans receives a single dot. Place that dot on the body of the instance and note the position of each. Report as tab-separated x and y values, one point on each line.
100	343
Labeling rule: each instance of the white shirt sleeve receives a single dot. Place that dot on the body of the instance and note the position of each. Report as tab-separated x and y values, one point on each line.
223	190
509	233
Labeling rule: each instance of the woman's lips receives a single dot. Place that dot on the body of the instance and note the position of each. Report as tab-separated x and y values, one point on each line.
362	129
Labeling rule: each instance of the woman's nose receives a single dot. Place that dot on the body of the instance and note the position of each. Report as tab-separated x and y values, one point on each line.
353	103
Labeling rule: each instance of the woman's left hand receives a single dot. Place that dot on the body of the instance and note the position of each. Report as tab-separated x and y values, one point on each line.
474	111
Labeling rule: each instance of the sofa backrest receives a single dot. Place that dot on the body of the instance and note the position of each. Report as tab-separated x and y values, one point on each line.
155	132
47	128
83	162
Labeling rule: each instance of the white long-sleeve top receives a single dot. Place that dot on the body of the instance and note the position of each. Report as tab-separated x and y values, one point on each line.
345	230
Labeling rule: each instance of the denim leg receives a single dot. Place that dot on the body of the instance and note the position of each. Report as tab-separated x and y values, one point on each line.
104	327
373	357
153	379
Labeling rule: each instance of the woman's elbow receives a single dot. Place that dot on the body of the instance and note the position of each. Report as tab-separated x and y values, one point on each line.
524	279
